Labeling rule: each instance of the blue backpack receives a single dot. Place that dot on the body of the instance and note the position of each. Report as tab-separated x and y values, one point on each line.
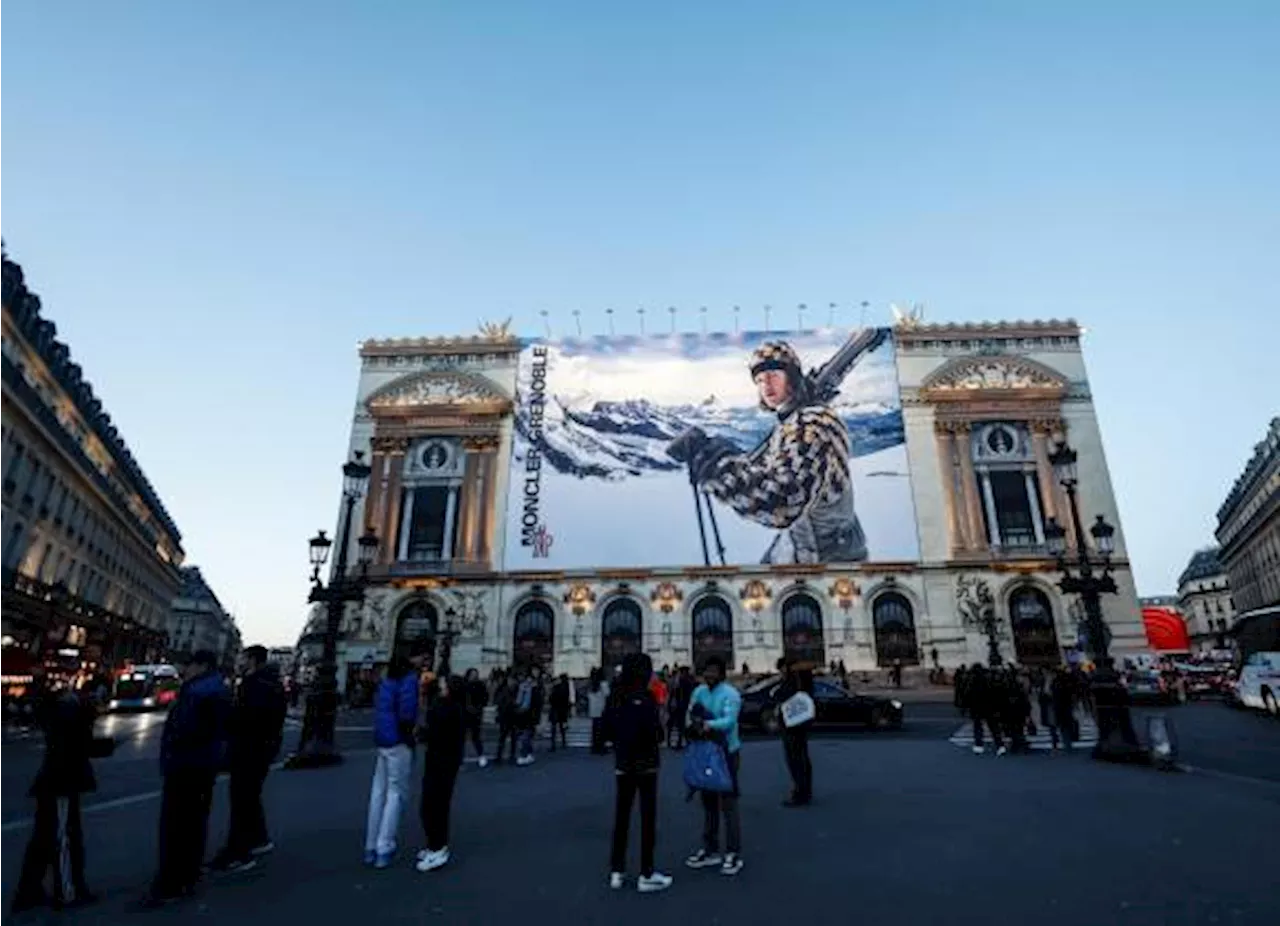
706	767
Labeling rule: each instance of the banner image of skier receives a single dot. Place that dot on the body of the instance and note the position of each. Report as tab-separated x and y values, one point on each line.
724	449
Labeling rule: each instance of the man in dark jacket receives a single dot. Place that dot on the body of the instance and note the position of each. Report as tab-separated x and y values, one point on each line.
795	739
983	700
57	839
256	732
193	749
561	696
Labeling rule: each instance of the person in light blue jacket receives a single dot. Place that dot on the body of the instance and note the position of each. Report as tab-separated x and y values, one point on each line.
713	714
395	708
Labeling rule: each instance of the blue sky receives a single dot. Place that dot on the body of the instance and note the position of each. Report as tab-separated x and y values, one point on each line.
216	201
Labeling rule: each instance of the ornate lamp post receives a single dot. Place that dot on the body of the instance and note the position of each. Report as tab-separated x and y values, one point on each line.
319	748
446	645
1090	578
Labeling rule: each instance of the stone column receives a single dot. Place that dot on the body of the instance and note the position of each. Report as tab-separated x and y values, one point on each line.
1037	521
372	512
468	504
1044	471
989	499
485	512
946	462
450	513
406	522
391	505
969	489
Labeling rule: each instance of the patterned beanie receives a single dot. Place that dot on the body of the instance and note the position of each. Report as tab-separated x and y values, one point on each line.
775	355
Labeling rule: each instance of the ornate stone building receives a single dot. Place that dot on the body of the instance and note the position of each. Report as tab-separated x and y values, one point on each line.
1204	598
91	556
1249	528
981	405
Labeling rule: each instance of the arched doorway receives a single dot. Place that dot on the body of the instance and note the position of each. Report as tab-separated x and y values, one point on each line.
802	630
620	631
1034	639
712	631
534	635
416	628
895	627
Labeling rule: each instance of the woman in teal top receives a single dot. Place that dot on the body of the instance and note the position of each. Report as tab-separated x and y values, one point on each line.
713	710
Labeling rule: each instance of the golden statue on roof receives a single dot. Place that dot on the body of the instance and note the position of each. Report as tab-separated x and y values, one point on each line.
497	331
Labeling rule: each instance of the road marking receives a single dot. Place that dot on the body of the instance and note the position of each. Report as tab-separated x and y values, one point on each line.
1227	776
1043	739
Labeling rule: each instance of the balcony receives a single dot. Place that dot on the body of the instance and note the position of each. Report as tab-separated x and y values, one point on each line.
427	567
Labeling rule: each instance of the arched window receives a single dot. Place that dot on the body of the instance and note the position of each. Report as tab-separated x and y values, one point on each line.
802	630
1034	639
620	631
416	629
534	635
895	629
712	631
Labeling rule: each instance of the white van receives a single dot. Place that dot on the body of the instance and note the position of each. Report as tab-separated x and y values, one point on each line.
1259	683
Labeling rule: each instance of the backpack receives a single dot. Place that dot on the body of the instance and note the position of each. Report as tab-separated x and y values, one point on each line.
706	767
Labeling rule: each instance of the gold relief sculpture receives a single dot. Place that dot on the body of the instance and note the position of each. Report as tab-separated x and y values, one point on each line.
666	597
580	598
755	595
844	592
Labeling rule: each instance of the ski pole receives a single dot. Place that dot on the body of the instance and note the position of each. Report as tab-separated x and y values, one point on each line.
702	527
715	526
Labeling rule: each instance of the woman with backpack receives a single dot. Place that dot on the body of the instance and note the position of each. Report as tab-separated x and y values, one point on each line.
635	727
395	716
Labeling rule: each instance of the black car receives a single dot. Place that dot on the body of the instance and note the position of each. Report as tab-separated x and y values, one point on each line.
837	707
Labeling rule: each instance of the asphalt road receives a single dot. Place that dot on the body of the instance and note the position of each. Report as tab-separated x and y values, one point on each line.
906	829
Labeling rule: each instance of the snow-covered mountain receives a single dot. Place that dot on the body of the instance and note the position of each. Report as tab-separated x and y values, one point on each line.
614	440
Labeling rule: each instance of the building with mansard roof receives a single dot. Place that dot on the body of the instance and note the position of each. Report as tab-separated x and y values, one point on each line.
91	557
528	521
1249	528
1204	598
198	621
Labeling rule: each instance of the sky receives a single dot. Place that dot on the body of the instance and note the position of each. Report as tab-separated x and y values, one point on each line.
217	201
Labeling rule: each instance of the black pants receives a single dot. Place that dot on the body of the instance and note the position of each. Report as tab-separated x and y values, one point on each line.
436	801
184	828
248	828
716	806
675	728
473	722
646	785
506	733
597	736
57	845
795	745
560	724
993	724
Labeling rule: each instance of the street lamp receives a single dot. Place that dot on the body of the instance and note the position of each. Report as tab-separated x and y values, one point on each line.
318	748
1089	576
446	645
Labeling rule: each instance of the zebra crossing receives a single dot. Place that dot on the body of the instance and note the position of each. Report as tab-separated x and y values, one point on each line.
1042	740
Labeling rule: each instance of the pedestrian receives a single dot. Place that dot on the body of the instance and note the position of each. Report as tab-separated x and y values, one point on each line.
677	707
960	683
193	749
713	711
1015	709
597	701
1062	694
66	772
256	734
395	715
636	730
475	698
504	700
560	701
528	712
445	740
983	700
896	672
795	733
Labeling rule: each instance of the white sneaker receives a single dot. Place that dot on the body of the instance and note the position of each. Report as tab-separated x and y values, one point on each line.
482	762
422	854
616	880
433	860
704	859
979	751
1003	750
654	882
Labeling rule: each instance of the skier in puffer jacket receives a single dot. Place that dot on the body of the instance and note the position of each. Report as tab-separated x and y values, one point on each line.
799	481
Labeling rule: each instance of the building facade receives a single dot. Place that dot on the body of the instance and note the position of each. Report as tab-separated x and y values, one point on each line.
1204	599
454	485
1249	528
197	621
90	555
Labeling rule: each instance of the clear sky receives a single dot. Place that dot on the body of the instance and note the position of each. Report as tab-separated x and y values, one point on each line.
217	201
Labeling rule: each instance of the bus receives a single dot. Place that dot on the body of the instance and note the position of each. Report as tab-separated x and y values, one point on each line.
144	688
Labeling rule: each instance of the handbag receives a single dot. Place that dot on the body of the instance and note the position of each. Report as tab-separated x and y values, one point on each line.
706	767
798	709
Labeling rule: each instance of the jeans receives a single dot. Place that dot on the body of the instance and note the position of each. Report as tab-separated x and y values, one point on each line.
436	802
248	828
992	725
715	806
629	785
795	746
184	828
57	843
524	741
387	798
472	725
506	732
597	736
560	725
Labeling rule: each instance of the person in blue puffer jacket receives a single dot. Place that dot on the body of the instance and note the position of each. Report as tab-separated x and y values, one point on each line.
395	717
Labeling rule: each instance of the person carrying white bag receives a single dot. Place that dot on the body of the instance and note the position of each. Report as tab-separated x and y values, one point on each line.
795	698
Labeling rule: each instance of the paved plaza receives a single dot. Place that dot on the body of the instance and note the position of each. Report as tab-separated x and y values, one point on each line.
906	829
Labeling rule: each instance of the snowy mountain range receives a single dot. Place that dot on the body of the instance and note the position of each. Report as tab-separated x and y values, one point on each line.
614	440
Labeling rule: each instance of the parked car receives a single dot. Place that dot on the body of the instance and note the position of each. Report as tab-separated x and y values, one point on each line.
836	707
1204	681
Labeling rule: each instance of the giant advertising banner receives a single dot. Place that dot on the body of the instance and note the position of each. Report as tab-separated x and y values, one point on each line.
687	450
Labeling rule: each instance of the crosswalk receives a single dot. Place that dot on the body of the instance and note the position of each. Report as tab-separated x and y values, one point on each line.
1042	740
